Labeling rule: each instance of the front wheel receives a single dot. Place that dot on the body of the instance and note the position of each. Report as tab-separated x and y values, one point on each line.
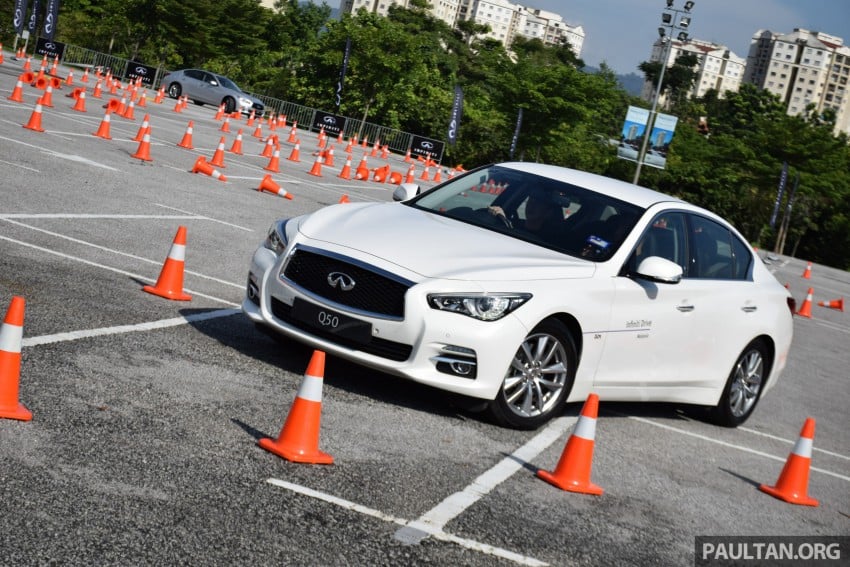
744	386
540	377
229	105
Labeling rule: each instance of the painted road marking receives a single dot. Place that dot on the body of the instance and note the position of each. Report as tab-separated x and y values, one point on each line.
111	269
436	518
105	249
19	166
197	216
119	329
436	533
790	442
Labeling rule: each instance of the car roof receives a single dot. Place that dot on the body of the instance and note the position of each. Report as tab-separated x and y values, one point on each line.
635	194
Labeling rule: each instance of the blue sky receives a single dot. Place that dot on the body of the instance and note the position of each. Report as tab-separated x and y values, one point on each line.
621	32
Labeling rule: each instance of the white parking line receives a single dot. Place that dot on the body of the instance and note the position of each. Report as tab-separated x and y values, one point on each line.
791	442
435	532
197	216
732	445
111	269
8	218
119	329
454	505
19	166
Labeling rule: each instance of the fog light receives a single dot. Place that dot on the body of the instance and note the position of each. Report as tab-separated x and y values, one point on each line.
461	368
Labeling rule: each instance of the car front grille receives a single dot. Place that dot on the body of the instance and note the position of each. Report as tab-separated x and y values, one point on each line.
378	347
374	293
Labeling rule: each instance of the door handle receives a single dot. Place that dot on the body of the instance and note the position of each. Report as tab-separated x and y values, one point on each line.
749	308
685	308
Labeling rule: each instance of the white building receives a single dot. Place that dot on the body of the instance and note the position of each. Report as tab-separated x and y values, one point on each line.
803	68
505	19
717	67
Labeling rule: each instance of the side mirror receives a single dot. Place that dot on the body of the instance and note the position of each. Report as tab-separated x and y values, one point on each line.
406	191
660	270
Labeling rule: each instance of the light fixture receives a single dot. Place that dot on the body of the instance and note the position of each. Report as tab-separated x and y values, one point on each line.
682	36
666	18
661	32
669	3
688	5
684	23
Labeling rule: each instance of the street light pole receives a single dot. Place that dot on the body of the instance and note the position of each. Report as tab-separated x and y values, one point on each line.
671	18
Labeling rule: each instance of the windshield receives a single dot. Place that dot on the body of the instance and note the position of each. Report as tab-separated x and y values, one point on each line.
225	82
570	219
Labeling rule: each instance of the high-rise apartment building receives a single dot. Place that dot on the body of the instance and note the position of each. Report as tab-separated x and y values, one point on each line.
803	68
717	67
505	19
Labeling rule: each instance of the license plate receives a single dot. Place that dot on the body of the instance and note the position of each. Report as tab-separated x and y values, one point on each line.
331	321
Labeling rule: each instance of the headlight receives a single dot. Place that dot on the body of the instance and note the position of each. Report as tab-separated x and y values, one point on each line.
276	239
245	102
488	307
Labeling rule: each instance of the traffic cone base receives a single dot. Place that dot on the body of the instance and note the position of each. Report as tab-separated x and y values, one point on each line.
11	336
793	481
573	470
299	438
269	185
170	282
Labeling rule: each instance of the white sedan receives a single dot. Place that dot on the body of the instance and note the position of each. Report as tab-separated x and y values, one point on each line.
528	286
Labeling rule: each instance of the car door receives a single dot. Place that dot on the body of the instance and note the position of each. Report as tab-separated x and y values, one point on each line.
657	330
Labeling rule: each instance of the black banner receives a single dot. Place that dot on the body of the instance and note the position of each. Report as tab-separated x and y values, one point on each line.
425	147
49	48
457	111
135	71
516	133
342	72
31	23
20	15
332	123
49	28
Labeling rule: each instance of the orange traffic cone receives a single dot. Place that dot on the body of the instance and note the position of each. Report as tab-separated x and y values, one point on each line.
160	95
346	169
80	104
170	282
85	77
218	156
793	481
258	131
140	135
344	198
317	166
69	79
144	151
274	162
11	336
35	118
202	166
17	92
407	158
98	89
186	142
251	118
834	304
411	174
47	98
438	176
103	129
219	113
293	138
225	126
295	155
362	171
128	111
236	148
268	184
806	308
426	175
299	439
807	273
573	470
329	157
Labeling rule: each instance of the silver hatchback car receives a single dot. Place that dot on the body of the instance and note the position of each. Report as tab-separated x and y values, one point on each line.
204	87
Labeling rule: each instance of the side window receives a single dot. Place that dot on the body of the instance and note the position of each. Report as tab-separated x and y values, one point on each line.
195	74
716	252
665	237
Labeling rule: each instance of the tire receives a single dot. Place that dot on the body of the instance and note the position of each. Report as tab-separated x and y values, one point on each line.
744	386
175	90
539	379
229	105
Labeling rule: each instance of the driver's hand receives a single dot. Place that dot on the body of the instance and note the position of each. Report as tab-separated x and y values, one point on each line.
496	211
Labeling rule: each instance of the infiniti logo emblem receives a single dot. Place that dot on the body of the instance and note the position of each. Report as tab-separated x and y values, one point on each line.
341	280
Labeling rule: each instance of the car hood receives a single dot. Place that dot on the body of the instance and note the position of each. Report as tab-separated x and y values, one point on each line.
436	247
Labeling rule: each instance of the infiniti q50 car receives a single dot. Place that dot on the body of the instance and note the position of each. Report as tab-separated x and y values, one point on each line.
528	286
204	87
